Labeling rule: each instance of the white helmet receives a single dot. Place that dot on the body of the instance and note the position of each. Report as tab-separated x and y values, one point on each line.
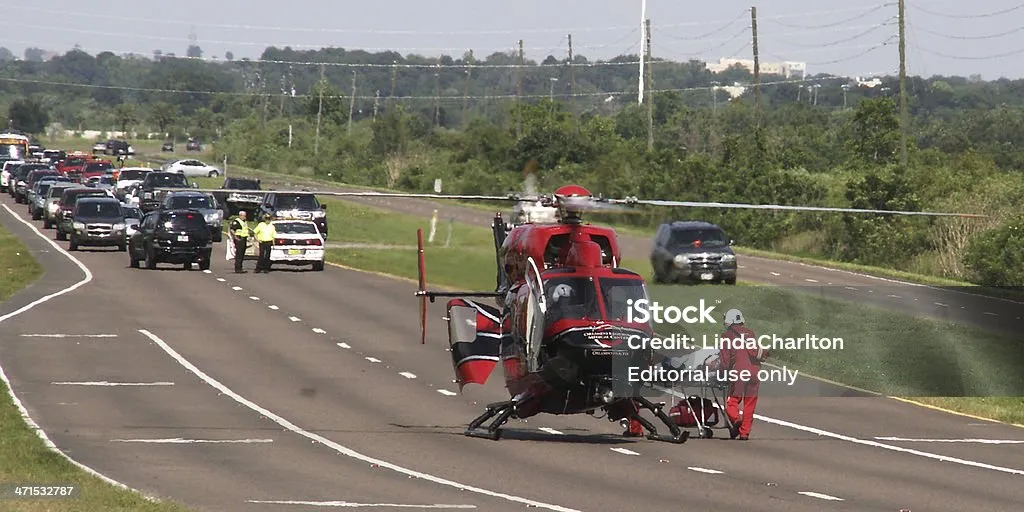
733	317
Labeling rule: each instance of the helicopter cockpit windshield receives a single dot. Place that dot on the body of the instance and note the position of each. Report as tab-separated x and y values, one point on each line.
619	295
571	298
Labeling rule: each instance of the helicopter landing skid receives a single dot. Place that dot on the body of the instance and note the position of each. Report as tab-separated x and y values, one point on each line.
500	411
676	435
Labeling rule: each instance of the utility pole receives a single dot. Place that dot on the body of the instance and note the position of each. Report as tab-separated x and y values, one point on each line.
465	93
319	112
519	90
437	94
757	63
650	85
394	82
903	83
572	81
352	103
376	103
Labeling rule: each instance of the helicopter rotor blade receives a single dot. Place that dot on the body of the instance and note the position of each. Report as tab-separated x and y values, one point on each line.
510	197
701	204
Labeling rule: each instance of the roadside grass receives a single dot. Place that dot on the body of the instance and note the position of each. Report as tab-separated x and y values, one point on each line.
884	351
24	458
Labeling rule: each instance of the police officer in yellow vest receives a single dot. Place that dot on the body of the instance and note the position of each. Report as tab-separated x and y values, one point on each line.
240	234
265	234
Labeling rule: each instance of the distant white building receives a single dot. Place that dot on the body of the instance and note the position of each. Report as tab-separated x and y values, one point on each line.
786	69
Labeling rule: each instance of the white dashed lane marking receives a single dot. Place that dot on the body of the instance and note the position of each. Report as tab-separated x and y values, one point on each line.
275	308
236	288
941	304
254	298
811	280
894	296
624	451
705	470
446	392
990	314
221	279
294	319
407	375
319	330
344	345
776	274
373	359
207	271
550	430
820	496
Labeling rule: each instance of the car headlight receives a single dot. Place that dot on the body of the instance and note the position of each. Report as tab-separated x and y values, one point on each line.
53	207
726	258
78	225
118	227
147	195
681	260
319	214
214	217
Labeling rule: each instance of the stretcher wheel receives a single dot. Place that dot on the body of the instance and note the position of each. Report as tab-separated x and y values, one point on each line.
708	433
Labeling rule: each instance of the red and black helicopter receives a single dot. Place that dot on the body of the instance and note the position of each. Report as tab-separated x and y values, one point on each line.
559	323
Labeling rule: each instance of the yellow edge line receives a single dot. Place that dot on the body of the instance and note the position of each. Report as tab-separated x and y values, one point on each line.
834	383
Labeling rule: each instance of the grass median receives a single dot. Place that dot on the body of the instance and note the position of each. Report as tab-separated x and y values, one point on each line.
24	458
885	351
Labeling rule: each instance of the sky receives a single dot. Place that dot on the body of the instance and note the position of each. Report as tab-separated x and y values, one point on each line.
849	38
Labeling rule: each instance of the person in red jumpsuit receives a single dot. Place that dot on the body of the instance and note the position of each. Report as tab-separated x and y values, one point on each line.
741	358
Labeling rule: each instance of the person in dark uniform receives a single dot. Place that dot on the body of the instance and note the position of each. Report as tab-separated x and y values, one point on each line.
240	234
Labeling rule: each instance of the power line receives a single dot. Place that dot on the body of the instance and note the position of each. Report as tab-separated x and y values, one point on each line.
408	98
851	57
741	16
963	57
968	38
837	23
888	22
968	16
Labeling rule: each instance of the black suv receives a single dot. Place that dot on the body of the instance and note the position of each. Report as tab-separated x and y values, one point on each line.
693	251
295	205
98	221
193	145
235	202
149	197
171	236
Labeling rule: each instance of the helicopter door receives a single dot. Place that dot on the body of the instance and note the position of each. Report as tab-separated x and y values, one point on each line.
536	307
474	339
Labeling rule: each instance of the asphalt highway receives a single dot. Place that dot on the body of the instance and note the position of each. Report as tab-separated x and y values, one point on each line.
297	390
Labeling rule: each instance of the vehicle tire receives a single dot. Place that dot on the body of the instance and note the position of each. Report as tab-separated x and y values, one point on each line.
187	265
730	281
204	264
150	259
35	214
73	246
122	248
218	237
47	224
213	174
61	235
318	266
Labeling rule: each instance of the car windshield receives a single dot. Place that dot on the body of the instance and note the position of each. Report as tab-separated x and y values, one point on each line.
683	238
297	202
242	185
57	191
167	180
295	228
571	298
619	294
12	151
183	220
183	202
131	174
98	166
98	209
105	180
43	189
74	162
130	212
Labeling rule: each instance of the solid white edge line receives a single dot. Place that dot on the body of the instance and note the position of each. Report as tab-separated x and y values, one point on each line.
178	440
106	383
68	335
974	441
866	442
349	504
820	496
10	388
332	444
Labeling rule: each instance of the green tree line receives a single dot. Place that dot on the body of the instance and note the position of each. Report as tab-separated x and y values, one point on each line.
833	145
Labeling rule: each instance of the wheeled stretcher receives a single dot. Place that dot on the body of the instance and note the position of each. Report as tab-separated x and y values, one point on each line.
696	403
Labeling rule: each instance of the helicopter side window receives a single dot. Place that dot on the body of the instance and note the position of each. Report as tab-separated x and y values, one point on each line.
606	248
573	298
617	294
554	249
